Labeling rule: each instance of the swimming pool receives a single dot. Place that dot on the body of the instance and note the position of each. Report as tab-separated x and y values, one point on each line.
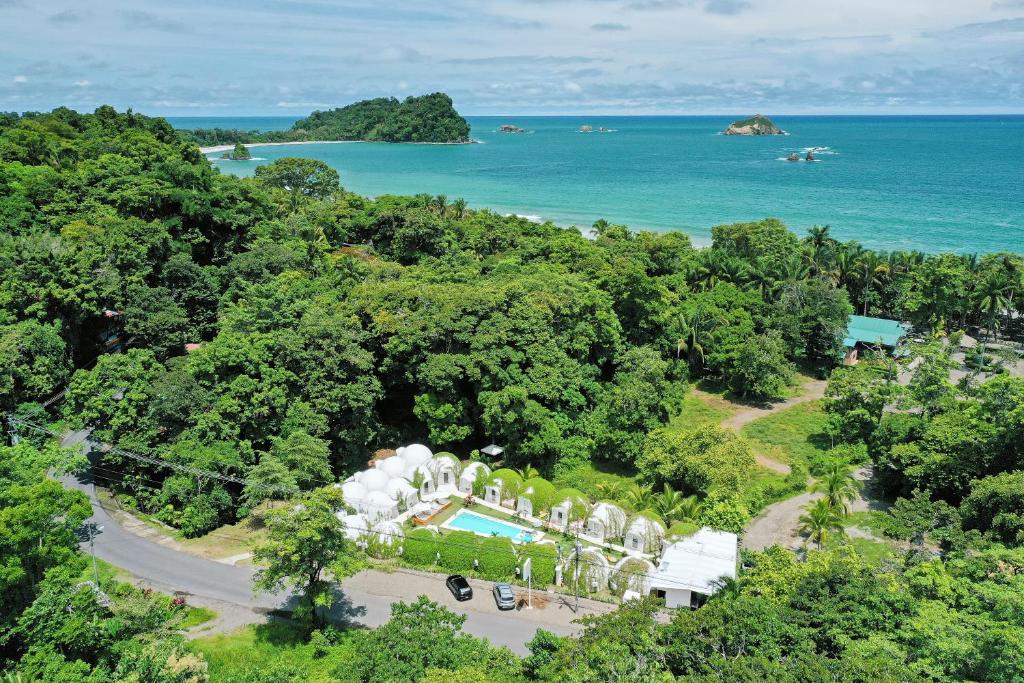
482	525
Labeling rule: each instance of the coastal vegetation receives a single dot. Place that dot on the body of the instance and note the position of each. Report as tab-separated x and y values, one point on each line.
755	125
427	118
239	153
276	330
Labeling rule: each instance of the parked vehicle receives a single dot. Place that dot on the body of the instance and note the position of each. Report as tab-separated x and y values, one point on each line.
504	596
459	587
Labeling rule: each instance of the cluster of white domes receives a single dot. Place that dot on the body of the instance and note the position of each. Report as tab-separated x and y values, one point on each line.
395	484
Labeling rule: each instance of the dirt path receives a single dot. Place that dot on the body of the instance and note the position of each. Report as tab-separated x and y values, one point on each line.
778	523
812	390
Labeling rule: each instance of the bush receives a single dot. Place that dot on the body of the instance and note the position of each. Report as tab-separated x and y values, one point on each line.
544	557
421	546
458	550
497	559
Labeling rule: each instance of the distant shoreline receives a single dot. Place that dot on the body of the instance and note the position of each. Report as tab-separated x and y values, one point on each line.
227	148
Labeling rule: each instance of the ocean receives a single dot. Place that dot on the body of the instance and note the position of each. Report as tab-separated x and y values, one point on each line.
931	183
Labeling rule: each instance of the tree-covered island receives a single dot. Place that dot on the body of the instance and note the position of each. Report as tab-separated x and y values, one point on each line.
424	119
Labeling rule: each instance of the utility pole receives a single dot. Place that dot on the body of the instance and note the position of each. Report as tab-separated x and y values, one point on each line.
92	549
576	583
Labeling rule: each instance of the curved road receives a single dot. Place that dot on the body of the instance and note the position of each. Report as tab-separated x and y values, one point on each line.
363	600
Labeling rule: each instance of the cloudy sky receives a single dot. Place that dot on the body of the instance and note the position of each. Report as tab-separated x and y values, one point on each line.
228	57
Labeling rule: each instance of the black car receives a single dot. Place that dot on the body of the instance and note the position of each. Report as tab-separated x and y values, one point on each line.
459	587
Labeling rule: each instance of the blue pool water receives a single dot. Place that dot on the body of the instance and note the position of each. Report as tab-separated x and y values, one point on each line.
933	183
487	526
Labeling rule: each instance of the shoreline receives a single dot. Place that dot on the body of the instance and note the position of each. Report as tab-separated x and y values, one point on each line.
227	148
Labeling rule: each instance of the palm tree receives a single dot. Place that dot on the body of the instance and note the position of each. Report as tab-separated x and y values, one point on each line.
673	506
668	504
993	300
610	490
528	472
872	272
459	208
727	587
695	331
690	509
440	205
638	498
840	487
819	520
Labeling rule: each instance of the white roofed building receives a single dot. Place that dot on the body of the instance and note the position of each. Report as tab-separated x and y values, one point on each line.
690	569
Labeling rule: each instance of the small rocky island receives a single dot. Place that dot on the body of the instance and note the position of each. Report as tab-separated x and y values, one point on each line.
509	128
755	125
239	153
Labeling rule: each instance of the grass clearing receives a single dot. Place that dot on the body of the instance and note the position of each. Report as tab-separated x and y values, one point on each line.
701	408
196	616
793	435
273	651
873	551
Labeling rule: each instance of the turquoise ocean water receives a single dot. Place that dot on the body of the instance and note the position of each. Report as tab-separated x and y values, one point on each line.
916	182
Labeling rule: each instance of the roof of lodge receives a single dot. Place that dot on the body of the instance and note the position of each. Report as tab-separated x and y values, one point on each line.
879	331
697	562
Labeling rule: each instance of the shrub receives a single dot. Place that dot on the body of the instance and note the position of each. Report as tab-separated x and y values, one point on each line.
544	557
458	550
421	546
497	559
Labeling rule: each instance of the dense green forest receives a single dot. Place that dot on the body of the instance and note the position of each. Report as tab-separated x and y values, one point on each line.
279	329
427	118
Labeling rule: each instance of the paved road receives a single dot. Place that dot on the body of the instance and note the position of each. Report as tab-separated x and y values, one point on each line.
363	600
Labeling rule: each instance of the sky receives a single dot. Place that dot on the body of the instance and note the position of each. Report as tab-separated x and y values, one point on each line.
289	57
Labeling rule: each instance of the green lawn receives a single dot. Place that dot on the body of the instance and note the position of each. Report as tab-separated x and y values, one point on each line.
589	476
275	651
793	435
873	551
701	408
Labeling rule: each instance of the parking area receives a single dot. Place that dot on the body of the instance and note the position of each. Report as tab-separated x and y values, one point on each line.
513	628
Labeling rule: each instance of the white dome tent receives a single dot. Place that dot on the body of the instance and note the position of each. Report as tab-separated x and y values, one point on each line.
385	490
632	574
373	480
393	466
402	492
388	533
355	525
643	535
444	468
415	454
379	506
607	520
353	493
594	570
470	473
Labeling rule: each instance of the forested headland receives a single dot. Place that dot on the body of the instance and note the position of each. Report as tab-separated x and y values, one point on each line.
424	119
278	329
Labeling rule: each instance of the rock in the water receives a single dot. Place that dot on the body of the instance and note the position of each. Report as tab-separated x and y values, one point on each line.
509	128
793	156
756	125
810	156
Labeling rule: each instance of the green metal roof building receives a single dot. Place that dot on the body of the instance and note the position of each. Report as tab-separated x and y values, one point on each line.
873	332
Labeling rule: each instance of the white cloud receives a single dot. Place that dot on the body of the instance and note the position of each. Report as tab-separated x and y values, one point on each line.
541	56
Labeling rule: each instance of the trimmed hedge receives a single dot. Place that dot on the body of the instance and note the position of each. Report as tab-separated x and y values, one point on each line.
497	559
458	550
544	558
421	546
